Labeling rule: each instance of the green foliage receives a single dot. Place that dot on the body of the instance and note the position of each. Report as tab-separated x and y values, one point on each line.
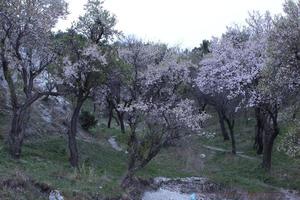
87	120
289	140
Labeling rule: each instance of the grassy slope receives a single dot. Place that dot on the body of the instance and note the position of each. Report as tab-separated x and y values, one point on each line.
46	161
101	169
245	173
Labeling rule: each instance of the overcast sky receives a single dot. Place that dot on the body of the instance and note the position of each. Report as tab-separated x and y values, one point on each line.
176	22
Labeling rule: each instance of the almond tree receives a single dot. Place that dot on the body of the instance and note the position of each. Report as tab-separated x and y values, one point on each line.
26	52
83	70
281	78
84	61
244	66
123	82
157	114
117	84
223	75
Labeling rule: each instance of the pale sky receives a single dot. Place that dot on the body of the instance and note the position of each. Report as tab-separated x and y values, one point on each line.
176	22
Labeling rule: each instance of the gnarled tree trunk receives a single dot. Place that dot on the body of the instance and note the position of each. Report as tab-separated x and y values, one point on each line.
16	135
269	136
132	159
72	134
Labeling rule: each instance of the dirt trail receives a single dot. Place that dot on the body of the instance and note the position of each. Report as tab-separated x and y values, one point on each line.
240	154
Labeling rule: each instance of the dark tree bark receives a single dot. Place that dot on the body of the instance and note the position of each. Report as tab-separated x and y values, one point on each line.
110	116
121	120
20	106
259	128
136	159
270	134
222	126
267	151
72	133
16	135
132	159
230	124
20	110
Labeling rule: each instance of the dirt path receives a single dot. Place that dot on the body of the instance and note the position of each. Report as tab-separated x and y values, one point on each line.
240	154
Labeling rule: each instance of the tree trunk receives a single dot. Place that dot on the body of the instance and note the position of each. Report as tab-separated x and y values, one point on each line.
230	124
121	121
110	116
267	154
16	135
132	159
294	116
259	128
231	131
129	177
72	134
270	135
222	126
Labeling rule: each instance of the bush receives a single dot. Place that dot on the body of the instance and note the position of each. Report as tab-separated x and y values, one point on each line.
87	120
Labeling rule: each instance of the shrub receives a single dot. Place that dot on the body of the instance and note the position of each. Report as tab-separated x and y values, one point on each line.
87	120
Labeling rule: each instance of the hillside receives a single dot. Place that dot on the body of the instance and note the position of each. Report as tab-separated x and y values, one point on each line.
44	166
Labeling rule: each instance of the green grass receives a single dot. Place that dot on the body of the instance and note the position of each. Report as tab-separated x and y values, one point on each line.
45	160
247	174
101	168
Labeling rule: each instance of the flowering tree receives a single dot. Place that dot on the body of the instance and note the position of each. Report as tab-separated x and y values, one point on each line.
280	76
26	52
285	58
223	75
118	81
84	61
123	80
157	114
245	66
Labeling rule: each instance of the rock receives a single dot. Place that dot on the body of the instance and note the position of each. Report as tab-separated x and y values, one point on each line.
55	195
163	194
112	141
